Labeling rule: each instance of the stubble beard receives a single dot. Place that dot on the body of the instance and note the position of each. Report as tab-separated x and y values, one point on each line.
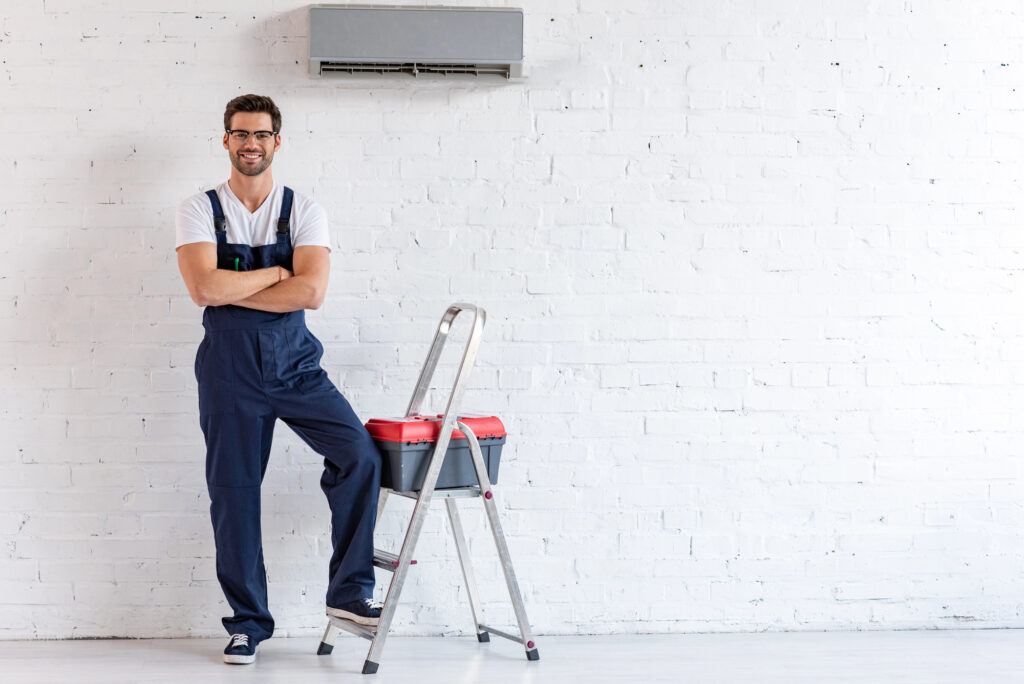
250	170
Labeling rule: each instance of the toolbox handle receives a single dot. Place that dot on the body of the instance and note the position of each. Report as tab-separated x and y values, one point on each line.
430	365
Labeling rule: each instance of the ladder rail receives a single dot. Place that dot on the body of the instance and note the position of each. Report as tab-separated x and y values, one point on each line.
412	534
462	547
436	459
499	541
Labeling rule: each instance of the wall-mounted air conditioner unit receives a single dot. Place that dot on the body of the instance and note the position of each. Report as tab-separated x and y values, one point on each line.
349	39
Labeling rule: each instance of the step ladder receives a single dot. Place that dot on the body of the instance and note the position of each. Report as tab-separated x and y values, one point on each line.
399	565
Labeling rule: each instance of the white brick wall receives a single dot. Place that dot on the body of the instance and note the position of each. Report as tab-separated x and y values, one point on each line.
752	272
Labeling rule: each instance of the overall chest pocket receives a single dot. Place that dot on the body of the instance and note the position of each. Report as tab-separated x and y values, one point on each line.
235	260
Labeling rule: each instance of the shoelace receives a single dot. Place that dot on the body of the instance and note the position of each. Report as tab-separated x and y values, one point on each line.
372	604
239	640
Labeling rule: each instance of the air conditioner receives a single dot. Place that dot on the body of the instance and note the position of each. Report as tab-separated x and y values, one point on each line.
351	39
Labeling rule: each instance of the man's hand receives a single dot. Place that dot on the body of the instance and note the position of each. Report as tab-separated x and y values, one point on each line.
304	289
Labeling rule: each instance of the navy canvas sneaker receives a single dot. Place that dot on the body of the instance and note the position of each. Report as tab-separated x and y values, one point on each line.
363	611
240	651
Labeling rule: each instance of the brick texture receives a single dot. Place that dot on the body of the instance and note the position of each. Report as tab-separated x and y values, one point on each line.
753	275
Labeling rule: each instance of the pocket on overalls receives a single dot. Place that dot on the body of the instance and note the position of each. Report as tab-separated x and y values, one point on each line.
304	350
214	373
200	355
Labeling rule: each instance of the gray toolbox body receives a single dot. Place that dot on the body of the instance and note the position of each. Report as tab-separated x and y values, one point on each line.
406	445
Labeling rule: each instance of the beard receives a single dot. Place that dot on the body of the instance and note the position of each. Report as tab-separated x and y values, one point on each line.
252	168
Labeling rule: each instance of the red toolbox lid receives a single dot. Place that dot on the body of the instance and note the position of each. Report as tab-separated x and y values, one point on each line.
427	428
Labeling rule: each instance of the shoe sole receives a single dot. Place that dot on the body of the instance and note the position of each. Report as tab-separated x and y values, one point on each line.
352	617
240	659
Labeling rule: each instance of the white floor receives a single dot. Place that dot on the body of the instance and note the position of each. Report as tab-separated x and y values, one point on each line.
961	657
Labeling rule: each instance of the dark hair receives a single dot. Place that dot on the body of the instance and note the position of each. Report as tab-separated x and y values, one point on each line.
253	103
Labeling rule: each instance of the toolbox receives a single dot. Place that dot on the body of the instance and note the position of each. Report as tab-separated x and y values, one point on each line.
406	445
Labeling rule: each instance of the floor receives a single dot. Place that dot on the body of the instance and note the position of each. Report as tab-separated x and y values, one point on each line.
932	657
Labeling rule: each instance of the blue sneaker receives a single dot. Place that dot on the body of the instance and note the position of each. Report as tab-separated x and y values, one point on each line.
240	651
363	611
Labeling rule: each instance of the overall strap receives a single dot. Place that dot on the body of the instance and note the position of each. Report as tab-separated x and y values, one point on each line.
286	211
218	211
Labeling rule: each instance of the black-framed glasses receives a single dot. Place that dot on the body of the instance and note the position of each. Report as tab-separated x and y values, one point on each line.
239	135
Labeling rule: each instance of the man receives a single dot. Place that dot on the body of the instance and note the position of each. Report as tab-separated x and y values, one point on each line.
256	254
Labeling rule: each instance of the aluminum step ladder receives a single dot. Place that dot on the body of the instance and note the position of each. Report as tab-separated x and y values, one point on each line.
400	564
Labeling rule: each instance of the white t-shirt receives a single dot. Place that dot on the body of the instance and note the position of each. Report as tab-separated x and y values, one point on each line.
194	220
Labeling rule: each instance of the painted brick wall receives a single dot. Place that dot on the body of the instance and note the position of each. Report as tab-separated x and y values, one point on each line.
753	277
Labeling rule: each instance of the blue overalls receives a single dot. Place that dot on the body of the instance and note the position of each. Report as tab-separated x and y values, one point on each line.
254	367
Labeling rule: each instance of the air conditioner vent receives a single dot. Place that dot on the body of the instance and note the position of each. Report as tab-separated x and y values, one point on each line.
413	68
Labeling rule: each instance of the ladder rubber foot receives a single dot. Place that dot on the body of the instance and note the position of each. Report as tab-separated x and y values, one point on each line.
325	649
484	637
532	655
370	667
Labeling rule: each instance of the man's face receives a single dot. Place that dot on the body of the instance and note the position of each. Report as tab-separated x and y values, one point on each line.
251	157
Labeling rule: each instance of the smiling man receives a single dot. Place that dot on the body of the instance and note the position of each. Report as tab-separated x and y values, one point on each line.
255	254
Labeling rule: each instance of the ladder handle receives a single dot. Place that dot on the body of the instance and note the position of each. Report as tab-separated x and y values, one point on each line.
434	355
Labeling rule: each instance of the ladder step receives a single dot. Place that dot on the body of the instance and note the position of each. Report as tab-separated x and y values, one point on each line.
446	493
352	628
386	560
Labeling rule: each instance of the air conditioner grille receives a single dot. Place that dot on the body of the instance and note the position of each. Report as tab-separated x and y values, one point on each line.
413	68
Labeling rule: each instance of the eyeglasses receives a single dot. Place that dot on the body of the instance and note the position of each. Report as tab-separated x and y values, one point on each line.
238	135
